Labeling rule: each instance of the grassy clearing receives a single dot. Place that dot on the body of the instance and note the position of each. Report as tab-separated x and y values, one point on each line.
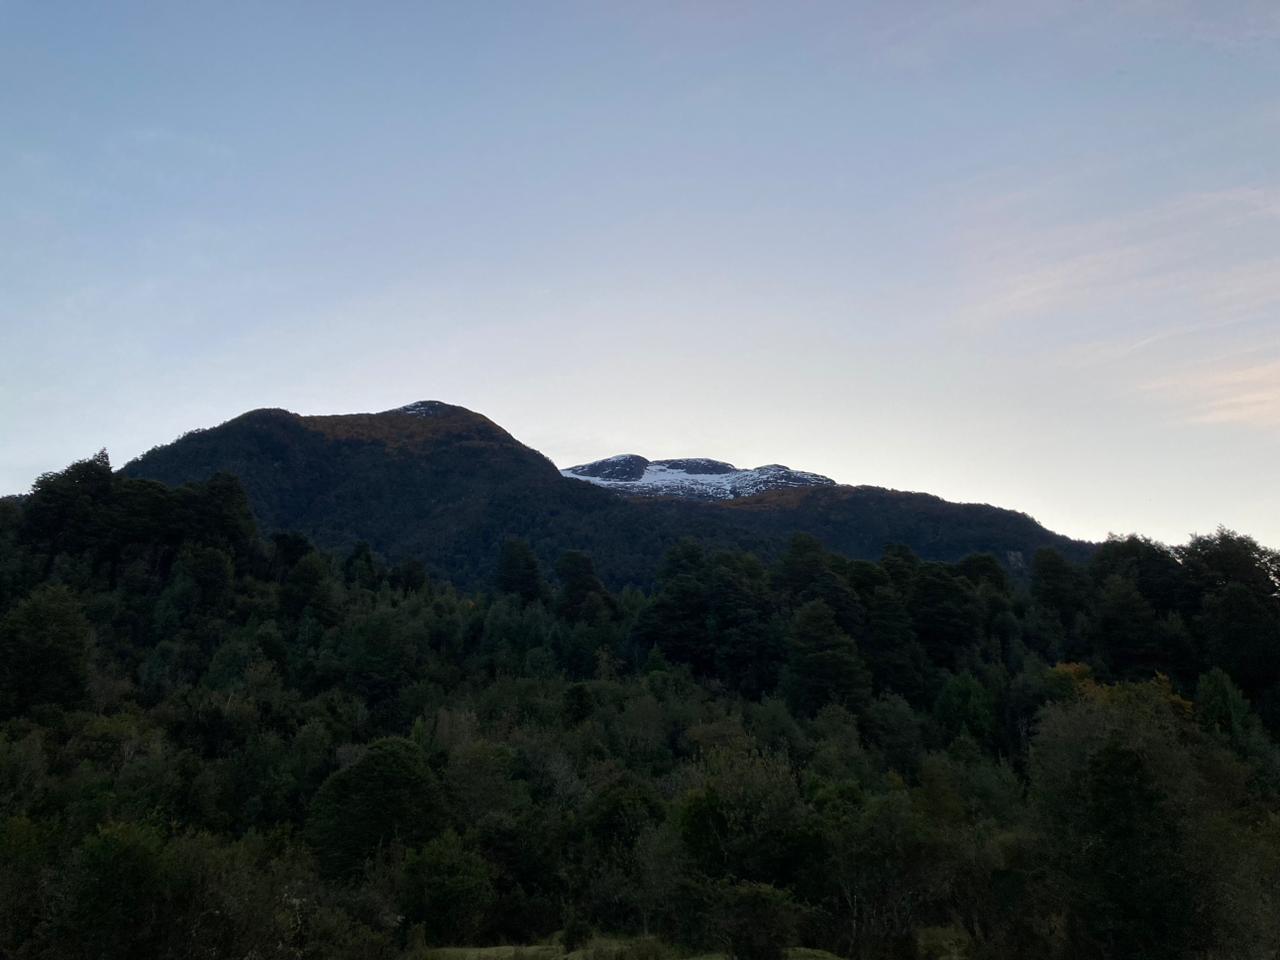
536	951
599	948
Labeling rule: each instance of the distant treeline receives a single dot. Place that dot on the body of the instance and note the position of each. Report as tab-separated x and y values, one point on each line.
215	744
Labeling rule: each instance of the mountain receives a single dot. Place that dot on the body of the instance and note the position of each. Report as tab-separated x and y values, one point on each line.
691	479
427	480
448	486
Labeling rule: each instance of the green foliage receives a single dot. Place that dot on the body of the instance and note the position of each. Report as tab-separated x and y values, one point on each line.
1134	801
713	613
44	649
23	854
823	665
886	869
965	707
1136	899
945	612
582	596
1126	626
449	889
1220	705
619	813
757	921
106	901
893	727
518	572
216	745
388	795
1242	634
894	655
1058	584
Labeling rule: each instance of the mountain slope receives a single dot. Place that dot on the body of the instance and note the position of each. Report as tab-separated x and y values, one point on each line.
428	480
447	486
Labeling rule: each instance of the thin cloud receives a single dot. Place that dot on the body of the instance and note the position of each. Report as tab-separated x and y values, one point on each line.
1169	252
920	34
1180	299
1244	393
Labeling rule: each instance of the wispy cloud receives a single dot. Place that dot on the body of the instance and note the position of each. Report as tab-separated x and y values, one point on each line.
1244	391
1213	256
914	34
1179	298
1234	23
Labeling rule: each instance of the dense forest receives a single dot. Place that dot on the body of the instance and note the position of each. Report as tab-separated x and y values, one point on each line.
217	743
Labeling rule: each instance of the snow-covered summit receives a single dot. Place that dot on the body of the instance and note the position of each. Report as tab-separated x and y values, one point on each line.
694	479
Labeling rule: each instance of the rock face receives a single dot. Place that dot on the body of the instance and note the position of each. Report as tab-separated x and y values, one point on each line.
690	479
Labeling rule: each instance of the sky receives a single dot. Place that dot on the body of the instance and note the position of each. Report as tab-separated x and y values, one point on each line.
1023	252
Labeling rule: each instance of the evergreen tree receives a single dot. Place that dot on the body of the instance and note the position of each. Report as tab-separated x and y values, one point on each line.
581	591
823	665
519	573
894	655
43	651
1126	631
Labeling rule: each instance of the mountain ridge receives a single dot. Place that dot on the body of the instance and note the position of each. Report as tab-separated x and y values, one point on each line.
447	486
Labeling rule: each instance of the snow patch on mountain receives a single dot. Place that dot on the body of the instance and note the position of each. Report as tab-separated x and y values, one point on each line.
690	478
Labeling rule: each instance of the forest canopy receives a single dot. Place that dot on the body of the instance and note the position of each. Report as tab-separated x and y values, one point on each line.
216	743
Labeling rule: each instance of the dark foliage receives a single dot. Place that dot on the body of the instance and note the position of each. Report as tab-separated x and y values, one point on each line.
218	744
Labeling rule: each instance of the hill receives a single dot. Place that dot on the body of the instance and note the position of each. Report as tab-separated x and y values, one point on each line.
447	486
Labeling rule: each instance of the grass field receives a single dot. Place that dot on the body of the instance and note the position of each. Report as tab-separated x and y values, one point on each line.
599	948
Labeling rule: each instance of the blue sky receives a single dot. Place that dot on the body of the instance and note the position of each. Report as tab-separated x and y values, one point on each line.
1024	252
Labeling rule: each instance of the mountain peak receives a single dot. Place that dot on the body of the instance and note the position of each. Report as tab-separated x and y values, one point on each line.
415	425
446	485
429	408
690	478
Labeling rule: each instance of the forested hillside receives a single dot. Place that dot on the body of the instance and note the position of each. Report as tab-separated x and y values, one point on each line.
217	743
443	485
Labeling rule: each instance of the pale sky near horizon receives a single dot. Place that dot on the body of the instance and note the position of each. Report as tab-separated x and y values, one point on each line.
1025	252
